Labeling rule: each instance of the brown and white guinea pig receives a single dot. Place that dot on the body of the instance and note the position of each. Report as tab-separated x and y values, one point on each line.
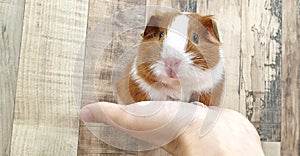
179	58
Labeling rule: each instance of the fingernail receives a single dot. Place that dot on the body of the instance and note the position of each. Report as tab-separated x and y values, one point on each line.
86	115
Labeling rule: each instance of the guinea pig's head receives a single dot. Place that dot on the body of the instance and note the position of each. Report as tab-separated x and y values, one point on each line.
177	45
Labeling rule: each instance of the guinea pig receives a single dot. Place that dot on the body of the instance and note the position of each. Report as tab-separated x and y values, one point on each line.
179	58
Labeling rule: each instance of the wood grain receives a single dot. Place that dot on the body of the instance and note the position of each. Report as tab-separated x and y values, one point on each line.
99	65
271	148
46	110
290	125
10	39
260	89
252	52
182	5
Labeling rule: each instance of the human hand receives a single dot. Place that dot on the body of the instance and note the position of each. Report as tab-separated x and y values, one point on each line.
180	128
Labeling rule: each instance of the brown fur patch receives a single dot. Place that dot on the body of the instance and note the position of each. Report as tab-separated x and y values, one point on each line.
206	51
127	89
199	59
151	45
211	98
156	24
210	25
144	71
136	93
205	98
122	87
217	93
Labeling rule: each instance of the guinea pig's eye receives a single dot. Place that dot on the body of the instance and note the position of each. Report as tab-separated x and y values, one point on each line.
195	38
161	35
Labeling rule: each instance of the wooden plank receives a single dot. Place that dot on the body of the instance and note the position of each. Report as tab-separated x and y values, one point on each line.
46	111
99	66
260	90
252	57
271	148
182	5
10	39
251	46
228	17
290	125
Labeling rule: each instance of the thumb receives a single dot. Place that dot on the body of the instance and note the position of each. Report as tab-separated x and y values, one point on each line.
156	122
141	116
128	117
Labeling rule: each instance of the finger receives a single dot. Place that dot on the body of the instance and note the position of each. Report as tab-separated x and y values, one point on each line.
163	123
131	117
94	112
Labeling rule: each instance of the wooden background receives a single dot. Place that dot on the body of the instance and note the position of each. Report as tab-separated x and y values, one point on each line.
40	67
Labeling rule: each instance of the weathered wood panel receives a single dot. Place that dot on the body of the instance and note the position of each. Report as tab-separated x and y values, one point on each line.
260	68
271	148
251	33
10	39
290	125
46	112
182	5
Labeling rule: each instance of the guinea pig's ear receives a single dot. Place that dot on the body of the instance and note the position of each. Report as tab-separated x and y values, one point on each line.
209	23
152	28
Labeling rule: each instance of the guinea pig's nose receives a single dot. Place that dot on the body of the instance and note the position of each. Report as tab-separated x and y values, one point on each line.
172	63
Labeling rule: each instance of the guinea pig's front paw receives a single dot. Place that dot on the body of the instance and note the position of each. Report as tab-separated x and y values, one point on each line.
199	104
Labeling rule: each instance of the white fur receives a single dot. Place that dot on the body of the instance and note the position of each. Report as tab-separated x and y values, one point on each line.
211	77
174	46
176	40
191	79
